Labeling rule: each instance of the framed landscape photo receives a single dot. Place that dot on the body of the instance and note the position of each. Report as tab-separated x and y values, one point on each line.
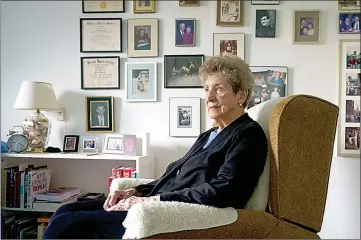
349	23
112	6
266	23
100	73
307	26
228	44
100	35
184	117
143	6
349	98
349	5
71	143
185	32
113	143
99	114
143	37
141	81
265	2
189	3
270	82
181	71
230	13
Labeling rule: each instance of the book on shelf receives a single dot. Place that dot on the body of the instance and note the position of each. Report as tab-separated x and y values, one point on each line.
122	172
58	194
41	205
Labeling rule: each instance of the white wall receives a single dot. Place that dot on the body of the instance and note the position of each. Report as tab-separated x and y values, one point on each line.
40	41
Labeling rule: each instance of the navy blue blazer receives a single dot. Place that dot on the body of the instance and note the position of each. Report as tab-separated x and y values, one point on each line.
224	174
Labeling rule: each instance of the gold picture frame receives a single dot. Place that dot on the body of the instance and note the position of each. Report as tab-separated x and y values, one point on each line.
143	6
349	98
230	13
306	27
189	3
347	5
99	114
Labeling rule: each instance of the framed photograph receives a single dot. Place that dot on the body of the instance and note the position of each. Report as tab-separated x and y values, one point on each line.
185	32
181	71
143	6
113	143
228	44
141	81
349	23
265	2
100	73
270	82
90	144
99	114
184	117
189	3
307	26
100	35
143	37
113	6
230	13
266	23
349	98
130	145
349	5
71	143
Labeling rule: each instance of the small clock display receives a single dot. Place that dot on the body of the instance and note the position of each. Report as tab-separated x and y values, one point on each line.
17	143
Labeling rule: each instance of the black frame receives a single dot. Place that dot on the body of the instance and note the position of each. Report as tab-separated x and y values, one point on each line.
347	13
110	100
98	51
165	69
82	5
278	2
76	143
82	75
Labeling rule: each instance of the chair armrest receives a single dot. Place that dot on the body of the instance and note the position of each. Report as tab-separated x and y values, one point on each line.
125	183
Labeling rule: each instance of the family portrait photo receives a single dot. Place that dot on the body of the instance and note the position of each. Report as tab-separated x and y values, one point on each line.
353	57
230	13
99	114
142	37
349	23
266	23
353	84
115	143
352	138
352	111
307	27
181	71
185	116
228	44
71	143
185	32
89	144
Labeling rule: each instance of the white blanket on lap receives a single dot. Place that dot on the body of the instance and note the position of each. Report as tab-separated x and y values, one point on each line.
147	219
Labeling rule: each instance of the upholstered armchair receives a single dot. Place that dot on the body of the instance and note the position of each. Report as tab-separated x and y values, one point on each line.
301	131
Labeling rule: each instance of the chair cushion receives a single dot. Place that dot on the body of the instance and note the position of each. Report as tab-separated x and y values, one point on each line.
261	114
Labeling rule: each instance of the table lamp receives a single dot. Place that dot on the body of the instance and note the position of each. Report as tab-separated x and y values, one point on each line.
36	96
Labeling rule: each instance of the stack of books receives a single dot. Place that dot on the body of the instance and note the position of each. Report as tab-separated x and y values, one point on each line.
24	227
122	172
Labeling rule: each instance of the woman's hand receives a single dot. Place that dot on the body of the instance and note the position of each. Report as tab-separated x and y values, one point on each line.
115	197
127	203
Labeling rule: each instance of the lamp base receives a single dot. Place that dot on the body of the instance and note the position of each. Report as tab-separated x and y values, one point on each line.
37	129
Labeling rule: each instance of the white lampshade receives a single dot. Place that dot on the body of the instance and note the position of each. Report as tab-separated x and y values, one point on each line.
36	95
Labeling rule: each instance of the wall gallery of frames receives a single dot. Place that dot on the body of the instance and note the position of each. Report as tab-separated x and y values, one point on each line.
105	35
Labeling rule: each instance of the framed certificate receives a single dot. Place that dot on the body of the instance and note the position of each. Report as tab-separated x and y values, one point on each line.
100	73
113	6
100	35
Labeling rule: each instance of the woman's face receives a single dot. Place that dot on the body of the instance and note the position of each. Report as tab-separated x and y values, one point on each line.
188	29
220	98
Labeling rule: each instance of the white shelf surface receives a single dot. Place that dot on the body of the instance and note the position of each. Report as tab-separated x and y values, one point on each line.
25	209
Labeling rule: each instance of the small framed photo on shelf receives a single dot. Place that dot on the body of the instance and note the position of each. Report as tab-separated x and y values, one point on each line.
143	6
90	144
349	98
113	143
184	117
130	145
112	6
265	2
100	35
307	26
71	143
228	44
349	5
141	81
185	32
99	114
189	3
181	71
143	37
266	23
100	73
349	23
230	13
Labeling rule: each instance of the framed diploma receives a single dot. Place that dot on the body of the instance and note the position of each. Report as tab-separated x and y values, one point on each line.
100	73
113	6
100	35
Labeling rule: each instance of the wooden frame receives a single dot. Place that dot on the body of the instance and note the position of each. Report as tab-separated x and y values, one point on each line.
112	6
302	20
143	9
73	146
224	19
189	3
349	98
97	107
220	45
187	39
347	5
349	28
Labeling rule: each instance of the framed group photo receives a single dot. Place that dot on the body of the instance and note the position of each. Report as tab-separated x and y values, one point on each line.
184	117
143	6
112	6
113	143
100	73
349	23
185	32
181	71
90	144
71	143
307	26
228	44
99	114
100	35
266	23
349	98
143	37
141	81
230	13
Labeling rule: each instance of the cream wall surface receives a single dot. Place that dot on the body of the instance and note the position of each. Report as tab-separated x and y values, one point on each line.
40	42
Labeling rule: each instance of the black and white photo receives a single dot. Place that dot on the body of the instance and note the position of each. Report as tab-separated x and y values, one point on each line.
185	116
99	114
266	23
230	13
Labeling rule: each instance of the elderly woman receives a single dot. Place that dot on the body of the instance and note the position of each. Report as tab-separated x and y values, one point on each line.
221	169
